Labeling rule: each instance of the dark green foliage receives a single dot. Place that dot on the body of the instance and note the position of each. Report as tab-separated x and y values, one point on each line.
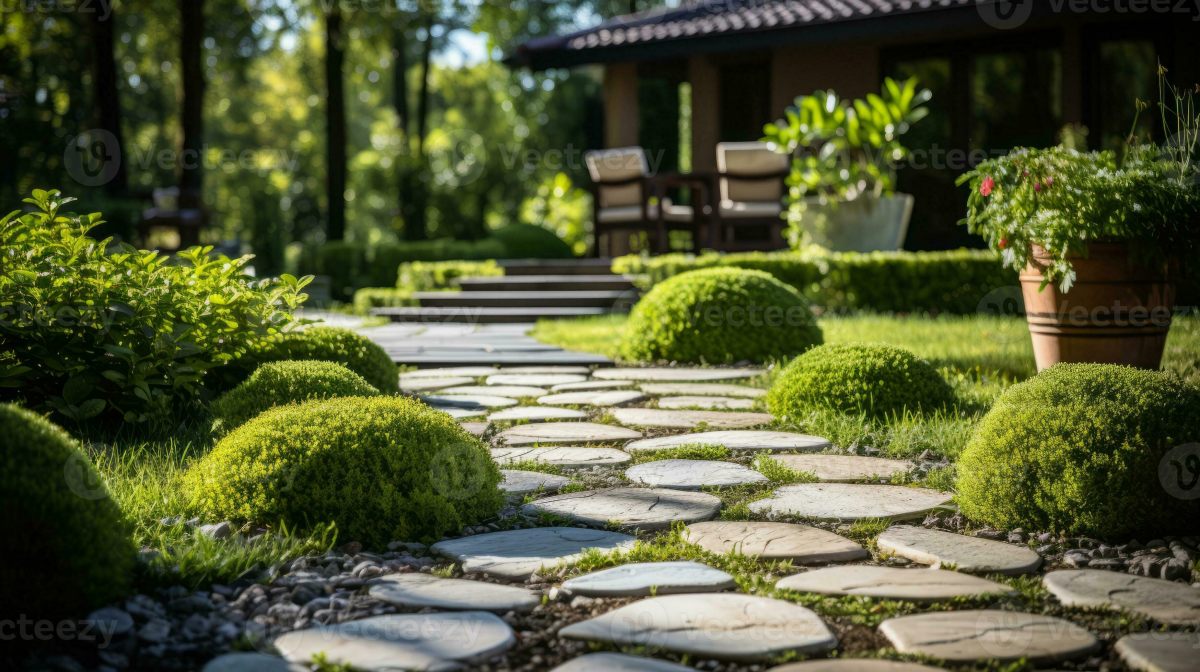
63	540
288	382
720	315
1081	448
382	468
331	344
527	241
870	378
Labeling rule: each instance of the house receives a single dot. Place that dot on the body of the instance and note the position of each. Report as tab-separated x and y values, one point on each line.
1003	74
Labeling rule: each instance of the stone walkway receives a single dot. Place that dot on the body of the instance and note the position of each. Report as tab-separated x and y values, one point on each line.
437	345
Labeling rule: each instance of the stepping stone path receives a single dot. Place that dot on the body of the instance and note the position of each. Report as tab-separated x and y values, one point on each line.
702	390
460	413
637	579
546	370
891	583
967	554
854	665
524	482
566	432
1164	601
403	641
651	417
517	554
736	440
994	634
846	502
468	401
568	457
451	372
513	391
775	541
724	626
431	384
692	474
618	662
475	428
535	379
644	508
594	398
718	403
537	414
592	385
252	662
418	591
676	375
839	468
1160	651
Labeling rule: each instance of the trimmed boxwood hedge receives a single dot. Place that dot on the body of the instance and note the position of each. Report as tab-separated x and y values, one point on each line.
870	378
332	344
1082	449
383	468
63	539
288	382
719	315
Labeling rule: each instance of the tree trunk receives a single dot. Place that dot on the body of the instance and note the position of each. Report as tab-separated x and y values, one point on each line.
399	79
335	106
414	226
105	97
191	169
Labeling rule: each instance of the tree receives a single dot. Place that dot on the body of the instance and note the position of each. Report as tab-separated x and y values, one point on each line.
335	128
106	98
191	117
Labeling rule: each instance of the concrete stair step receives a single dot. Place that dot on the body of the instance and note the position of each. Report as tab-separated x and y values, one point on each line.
601	299
555	266
548	283
481	315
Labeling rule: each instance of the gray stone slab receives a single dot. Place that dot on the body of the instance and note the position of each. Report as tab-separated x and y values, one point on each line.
893	583
475	428
842	468
618	662
847	502
646	578
1160	651
537	414
468	401
644	508
546	370
431	384
692	474
525	482
967	554
737	440
854	665
450	372
251	662
425	590
652	417
517	554
675	375
707	403
535	379
702	390
1164	601
566	432
801	544
989	634
461	413
592	385
724	626
569	457
593	398
513	391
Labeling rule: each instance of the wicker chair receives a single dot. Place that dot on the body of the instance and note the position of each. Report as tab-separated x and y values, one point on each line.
751	190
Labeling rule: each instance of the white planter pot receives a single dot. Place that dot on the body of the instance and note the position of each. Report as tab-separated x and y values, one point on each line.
866	224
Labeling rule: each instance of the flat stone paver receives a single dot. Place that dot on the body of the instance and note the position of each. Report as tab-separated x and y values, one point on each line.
517	554
451	372
468	401
645	508
1160	651
967	554
675	375
513	391
569	457
724	626
854	665
692	474
1164	601
593	398
737	440
524	482
440	641
842	468
537	414
535	379
425	590
847	502
644	578
710	403
545	370
702	390
566	432
652	417
801	544
618	662
432	384
992	634
892	583
460	413
251	662
475	428
592	385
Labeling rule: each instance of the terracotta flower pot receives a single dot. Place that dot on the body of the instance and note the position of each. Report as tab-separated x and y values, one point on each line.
1115	313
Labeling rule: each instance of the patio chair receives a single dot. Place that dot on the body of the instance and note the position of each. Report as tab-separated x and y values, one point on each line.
621	192
751	190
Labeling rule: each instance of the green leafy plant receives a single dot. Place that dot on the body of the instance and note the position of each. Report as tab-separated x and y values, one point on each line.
561	207
287	382
332	344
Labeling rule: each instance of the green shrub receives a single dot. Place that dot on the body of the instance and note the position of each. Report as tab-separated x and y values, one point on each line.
719	315
382	297
870	378
287	382
382	468
1081	448
426	276
63	538
331	344
527	241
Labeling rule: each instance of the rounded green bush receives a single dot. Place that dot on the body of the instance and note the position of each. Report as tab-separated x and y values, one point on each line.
529	241
720	315
870	378
331	344
383	468
1085	449
287	382
63	540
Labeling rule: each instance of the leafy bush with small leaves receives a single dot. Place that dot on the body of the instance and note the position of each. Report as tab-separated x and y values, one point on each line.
870	378
65	544
382	468
1081	449
288	382
332	344
720	315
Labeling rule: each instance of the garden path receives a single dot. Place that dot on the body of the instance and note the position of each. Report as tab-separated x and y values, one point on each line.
436	345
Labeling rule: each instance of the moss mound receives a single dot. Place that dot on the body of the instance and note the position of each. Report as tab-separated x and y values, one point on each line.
529	241
720	315
331	344
288	382
63	539
1086	449
869	378
383	468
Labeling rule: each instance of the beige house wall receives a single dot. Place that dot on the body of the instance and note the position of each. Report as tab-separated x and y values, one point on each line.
852	70
620	105
706	106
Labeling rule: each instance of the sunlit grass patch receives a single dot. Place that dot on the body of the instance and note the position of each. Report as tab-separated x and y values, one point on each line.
694	451
780	473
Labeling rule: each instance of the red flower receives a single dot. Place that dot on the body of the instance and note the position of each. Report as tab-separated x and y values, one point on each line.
1037	187
987	186
1003	243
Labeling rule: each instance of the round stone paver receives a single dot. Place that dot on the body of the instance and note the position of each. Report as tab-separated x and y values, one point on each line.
1160	651
594	398
775	541
645	508
451	372
566	432
546	370
702	390
1164	601
475	428
892	583
592	385
403	641
460	413
692	474
425	590
537	414
252	662
841	468
618	662
513	391
431	384
676	375
524	482
652	417
718	403
644	578
854	665
568	457
468	401
967	554
736	440
535	379
724	626
847	502
517	554
991	634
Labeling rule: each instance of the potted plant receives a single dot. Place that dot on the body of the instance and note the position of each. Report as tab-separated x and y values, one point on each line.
842	188
1100	243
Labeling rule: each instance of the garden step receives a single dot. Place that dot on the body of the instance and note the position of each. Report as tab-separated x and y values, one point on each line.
603	299
479	315
547	283
555	266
